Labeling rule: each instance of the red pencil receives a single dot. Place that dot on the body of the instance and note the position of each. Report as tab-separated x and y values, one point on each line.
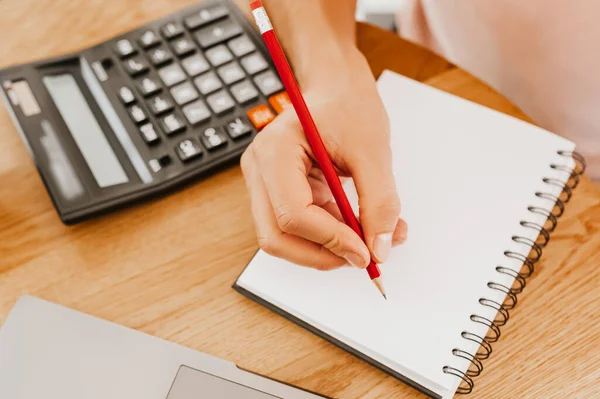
310	129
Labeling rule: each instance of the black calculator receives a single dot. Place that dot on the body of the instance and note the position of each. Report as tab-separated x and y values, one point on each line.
145	112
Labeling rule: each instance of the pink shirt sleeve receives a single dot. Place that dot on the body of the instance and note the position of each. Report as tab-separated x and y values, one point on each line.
543	55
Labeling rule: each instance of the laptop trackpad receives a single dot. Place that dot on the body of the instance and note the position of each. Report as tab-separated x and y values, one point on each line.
193	384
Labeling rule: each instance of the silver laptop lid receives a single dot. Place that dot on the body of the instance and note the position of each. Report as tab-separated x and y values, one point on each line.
51	352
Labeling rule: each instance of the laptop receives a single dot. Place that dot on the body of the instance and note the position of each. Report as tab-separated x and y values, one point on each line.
51	352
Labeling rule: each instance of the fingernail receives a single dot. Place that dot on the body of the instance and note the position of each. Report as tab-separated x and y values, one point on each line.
355	260
382	246
399	239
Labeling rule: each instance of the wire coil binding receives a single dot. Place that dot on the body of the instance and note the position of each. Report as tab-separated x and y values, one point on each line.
520	278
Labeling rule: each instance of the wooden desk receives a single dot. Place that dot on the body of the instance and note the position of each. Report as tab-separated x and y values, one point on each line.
166	267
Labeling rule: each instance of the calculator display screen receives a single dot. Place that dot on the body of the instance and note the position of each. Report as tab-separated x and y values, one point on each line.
85	129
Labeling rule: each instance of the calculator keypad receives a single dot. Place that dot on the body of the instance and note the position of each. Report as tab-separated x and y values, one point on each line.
172	124
219	55
184	93
254	63
126	95
205	16
136	66
160	56
149	134
196	112
171	74
280	101
268	83
189	149
217	33
195	65
238	127
160	104
183	46
244	92
137	114
213	138
148	39
220	102
261	116
208	83
124	48
190	79
148	86
231	73
241	46
172	30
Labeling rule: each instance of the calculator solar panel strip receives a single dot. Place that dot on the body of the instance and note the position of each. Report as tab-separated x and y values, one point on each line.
145	112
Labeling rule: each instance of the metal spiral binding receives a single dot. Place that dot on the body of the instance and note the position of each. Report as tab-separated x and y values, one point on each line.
529	260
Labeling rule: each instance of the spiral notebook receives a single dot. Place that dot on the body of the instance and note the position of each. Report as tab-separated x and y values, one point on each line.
481	192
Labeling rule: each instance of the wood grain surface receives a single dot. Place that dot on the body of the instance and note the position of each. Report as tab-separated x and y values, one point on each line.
166	267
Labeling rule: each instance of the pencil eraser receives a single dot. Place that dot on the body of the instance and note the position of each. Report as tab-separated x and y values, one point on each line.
255	4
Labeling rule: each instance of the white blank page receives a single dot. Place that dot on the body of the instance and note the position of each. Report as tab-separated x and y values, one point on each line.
466	176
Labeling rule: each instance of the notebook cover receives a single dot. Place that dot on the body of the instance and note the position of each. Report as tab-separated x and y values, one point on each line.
333	340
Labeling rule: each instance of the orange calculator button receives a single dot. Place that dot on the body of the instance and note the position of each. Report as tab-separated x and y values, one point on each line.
261	116
279	101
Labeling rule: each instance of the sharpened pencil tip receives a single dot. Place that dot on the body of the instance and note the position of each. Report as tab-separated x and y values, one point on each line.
379	284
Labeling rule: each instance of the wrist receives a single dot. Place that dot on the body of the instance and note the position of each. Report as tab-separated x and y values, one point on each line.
329	64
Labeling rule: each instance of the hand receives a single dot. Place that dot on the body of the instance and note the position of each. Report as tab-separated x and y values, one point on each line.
295	215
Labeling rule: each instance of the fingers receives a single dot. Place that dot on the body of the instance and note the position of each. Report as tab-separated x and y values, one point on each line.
378	201
271	239
284	167
400	233
333	210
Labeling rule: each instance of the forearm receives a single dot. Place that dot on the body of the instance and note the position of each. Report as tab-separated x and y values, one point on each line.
317	35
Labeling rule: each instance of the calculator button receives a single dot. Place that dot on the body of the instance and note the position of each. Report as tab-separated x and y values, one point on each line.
172	74
238	127
217	33
183	46
188	149
254	63
231	73
172	30
158	163
194	65
149	134
160	56
208	83
155	165
241	46
244	92
172	124
148	86
268	83
135	66
206	15
279	101
137	114
213	138
219	55
124	48
148	39
196	112
220	102
184	93
159	105
261	116
126	95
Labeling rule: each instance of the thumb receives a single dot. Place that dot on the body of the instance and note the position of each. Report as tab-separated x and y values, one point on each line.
379	204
